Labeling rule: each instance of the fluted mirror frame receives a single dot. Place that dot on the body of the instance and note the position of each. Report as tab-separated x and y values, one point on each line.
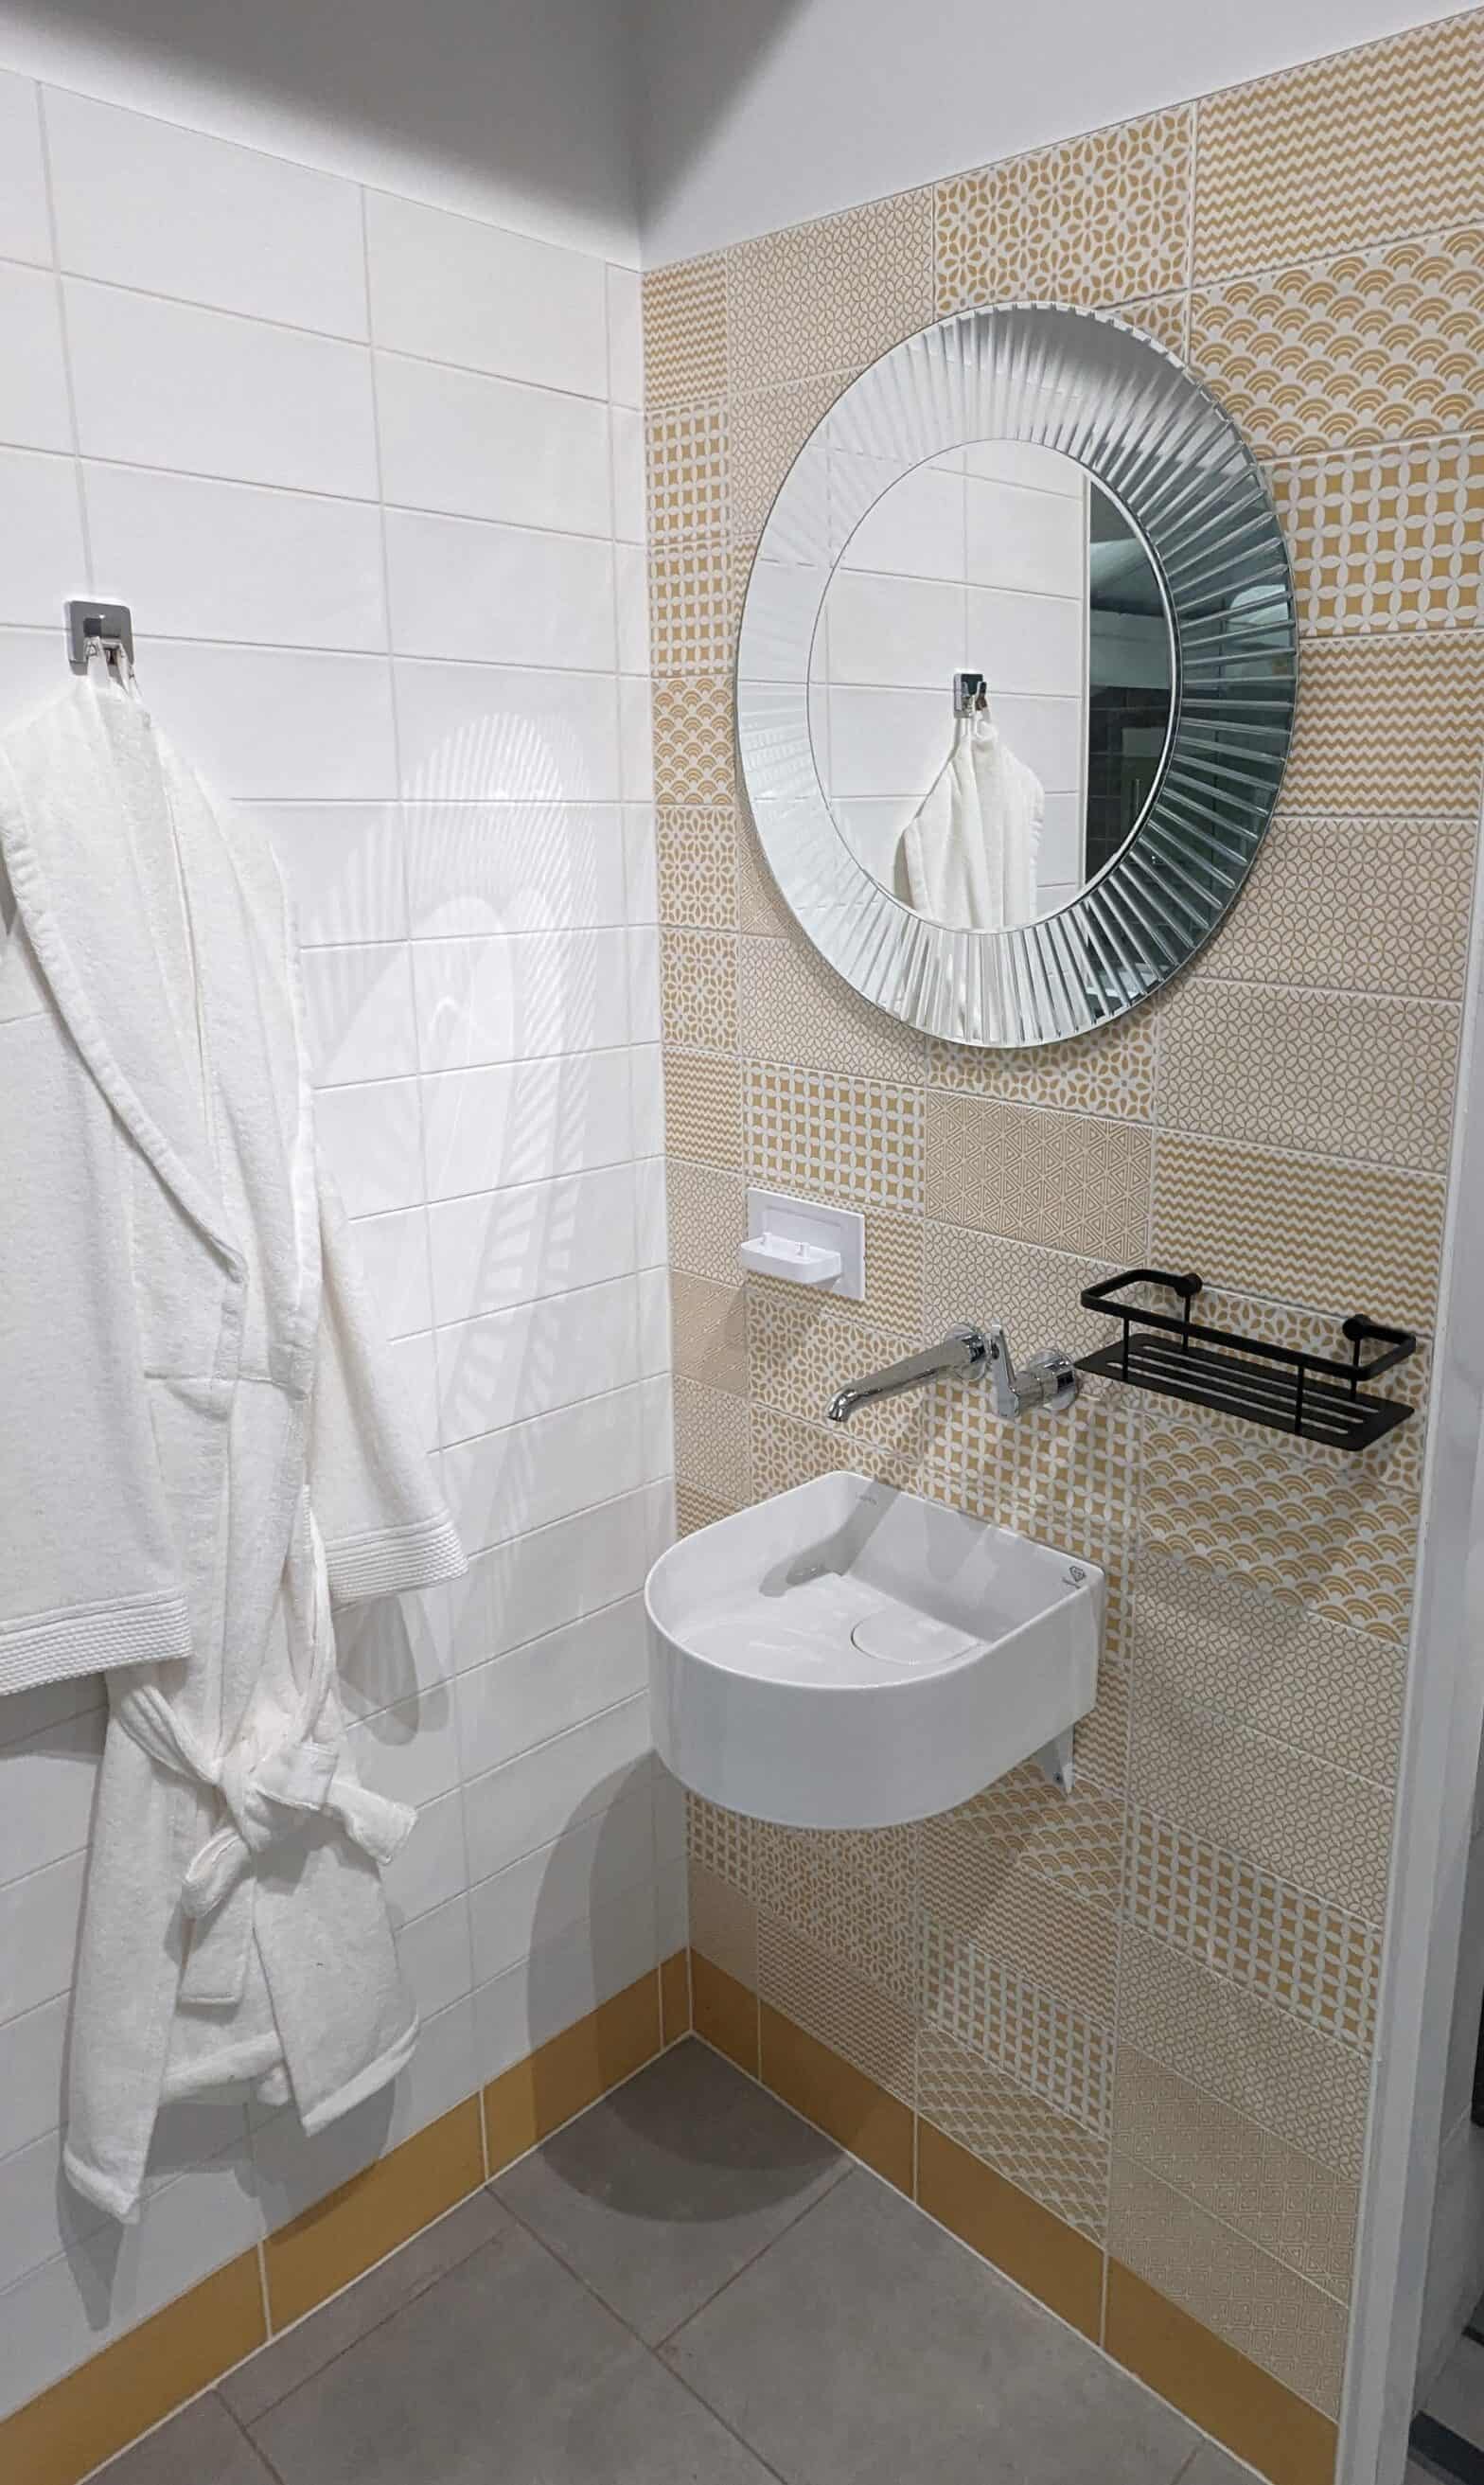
1151	435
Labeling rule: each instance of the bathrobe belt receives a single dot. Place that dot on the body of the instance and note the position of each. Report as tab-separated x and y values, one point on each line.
265	1795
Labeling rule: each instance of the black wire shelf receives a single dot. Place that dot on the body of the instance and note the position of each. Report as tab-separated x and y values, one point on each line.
1314	1397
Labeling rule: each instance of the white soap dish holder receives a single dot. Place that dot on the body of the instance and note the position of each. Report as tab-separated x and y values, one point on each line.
776	1255
805	1243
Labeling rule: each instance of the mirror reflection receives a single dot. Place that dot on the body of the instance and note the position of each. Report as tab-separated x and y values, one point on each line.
990	683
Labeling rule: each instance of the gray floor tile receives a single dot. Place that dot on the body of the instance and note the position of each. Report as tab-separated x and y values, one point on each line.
661	2193
1457	2396
201	2446
866	2347
506	2368
278	2368
1213	2466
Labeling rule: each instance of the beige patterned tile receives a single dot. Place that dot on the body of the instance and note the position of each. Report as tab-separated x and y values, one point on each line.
769	427
848	1140
799	1349
1412	876
1290	2328
1075	1838
1380	140
723	1924
1371	1078
1337	1529
708	1217
712	1445
1045	2153
1111	1072
684	330
1287	1813
894	1272
759	905
1058	1179
852	1894
1388	724
703	1114
698	989
686	464
977	1888
786	1450
709	1323
1101	1741
794	1007
835	2004
832	295
1374	345
1297	2210
1057	2048
693	742
1302	1953
970	1275
1166	318
692	606
694	1510
1386	539
697	866
1343	1238
720	1841
1269	1664
1098	219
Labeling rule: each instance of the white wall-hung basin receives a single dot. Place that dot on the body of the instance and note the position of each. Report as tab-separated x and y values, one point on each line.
844	1657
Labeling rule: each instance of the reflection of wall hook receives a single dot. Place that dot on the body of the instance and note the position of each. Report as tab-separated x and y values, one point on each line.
970	692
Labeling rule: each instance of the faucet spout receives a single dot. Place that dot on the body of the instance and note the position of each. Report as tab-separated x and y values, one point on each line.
964	1349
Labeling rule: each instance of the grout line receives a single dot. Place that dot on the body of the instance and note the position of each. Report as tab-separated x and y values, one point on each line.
255	2449
68	382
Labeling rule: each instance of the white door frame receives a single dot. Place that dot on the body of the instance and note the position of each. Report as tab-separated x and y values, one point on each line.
1435	1802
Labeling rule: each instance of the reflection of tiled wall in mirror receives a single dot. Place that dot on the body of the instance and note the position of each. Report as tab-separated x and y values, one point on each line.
977	559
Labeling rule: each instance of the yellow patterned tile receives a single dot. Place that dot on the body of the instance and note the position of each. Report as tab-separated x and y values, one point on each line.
833	2003
1055	2160
1058	1179
1266	1661
708	1217
684	330
788	1450
832	295
1354	352
1110	1071
768	428
1166	318
691	605
723	1924
695	1509
712	1446
799	1349
1412	875
1001	2011
796	1008
696	854
852	1894
1386	539
709	1323
848	1139
685	462
1380	140
1076	1838
1281	2322
978	1888
1343	1238
693	742
969	1275
760	907
1388	724
894	1272
1098	219
703	1108
1371	1078
1294	2208
698	989
721	1842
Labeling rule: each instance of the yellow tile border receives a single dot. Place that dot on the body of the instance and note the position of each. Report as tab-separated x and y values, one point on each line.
1217	2386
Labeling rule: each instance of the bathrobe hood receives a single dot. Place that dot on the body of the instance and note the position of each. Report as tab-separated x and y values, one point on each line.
201	1445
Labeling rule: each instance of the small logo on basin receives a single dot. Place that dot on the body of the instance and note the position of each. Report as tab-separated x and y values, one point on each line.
1075	1575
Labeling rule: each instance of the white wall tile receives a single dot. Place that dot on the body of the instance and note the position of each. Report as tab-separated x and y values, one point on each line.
509	595
41	532
648	1091
563	1979
483	867
200	560
50	1779
39	1918
637	737
432	1867
412	1362
393	1253
359	1002
33	376
552	1685
32	2049
547	1894
1032	540
552	1576
645	1012
498	1248
626	337
533	1473
165	384
343	863
640	863
391	1648
533	1799
515	996
916	526
525	1121
33	665
294	2172
434	1955
480	447
371	1139
673	1909
631	589
146	203
479	733
1033	643
654	1309
276	725
505	1366
461	291
25	231
411	1752
906	632
629	489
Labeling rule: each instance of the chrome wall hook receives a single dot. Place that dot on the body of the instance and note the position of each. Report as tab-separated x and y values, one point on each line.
105	630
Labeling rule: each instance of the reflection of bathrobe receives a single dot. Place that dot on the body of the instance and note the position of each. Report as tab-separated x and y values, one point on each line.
968	857
197	1446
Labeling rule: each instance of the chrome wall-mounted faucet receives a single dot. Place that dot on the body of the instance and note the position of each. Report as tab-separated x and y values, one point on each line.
1049	1379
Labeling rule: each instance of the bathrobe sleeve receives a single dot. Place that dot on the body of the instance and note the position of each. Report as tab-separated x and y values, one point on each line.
377	1508
89	1575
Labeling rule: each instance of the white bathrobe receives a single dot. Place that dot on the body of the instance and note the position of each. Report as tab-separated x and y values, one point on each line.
199	1446
968	856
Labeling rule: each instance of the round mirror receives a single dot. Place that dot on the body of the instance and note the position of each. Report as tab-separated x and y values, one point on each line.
1016	675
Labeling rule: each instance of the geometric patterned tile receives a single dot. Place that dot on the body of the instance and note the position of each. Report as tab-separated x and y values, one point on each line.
1386	539
1414	876
710	1332
829	296
1098	219
696	1510
1270	1663
1055	2047
852	1892
712	1444
1058	1179
707	1220
1346	1239
980	1891
684	330
1110	1071
694	761
788	1451
723	1925
769	429
800	1351
1045	2153
1377	140
1374	345
685	467
795	1008
698	989
703	1108
690	606
1371	1078
847	1139
1076	1838
894	1272
720	1841
1388	724
759	905
968	1276
832	2002
697	867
